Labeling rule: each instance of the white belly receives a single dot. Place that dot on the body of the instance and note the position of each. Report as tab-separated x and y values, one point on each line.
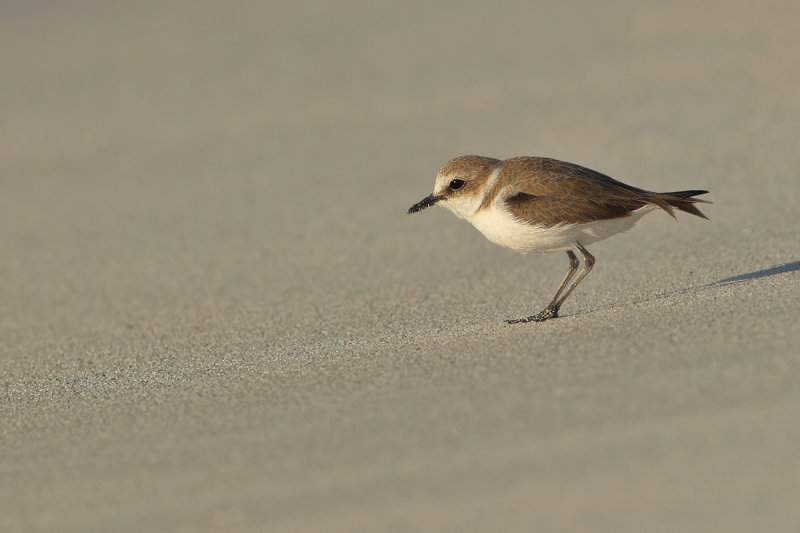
502	228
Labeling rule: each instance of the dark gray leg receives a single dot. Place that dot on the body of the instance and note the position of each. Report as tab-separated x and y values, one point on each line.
552	310
573	267
588	263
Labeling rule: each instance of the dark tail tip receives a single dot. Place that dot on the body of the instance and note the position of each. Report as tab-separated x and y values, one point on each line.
684	201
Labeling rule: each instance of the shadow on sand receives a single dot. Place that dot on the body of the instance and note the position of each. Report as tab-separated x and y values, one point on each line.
771	271
778	269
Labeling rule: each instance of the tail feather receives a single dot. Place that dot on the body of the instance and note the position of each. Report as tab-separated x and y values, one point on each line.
681	200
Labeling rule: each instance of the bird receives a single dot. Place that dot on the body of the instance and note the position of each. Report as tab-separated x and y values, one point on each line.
539	204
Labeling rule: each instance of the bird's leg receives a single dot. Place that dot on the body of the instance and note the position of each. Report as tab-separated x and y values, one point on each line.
552	310
588	263
573	267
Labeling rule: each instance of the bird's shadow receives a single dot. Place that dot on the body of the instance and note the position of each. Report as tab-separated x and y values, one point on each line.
771	271
792	266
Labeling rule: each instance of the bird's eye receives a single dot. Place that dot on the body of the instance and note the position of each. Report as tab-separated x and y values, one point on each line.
456	184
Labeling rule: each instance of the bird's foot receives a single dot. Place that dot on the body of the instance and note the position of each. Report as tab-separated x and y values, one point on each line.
550	312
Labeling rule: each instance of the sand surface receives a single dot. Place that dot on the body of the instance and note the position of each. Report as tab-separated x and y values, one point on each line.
215	314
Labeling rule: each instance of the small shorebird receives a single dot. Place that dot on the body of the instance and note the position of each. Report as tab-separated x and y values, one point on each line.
536	204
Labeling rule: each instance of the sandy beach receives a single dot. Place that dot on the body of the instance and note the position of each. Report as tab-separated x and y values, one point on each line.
215	314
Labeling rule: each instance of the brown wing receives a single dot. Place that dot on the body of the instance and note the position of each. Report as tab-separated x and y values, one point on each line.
566	193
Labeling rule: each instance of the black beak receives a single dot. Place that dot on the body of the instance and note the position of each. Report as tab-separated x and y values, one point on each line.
425	202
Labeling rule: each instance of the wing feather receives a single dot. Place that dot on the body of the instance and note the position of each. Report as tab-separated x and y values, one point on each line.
563	192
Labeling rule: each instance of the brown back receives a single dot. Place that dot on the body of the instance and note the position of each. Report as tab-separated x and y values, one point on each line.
563	192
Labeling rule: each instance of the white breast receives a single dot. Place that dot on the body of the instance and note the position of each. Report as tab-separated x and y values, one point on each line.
504	229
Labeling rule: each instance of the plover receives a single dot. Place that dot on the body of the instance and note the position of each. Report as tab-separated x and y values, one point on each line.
537	204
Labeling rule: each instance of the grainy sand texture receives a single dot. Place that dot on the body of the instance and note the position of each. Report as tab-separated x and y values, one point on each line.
215	314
